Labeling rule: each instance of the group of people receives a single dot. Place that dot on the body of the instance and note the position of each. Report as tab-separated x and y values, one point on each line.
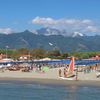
65	72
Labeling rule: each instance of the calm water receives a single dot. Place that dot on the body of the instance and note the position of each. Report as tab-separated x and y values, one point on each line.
31	91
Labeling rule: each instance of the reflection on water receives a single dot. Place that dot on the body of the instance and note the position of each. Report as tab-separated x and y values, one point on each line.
83	93
71	92
26	91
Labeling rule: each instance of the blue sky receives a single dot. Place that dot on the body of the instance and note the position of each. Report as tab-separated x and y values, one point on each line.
72	15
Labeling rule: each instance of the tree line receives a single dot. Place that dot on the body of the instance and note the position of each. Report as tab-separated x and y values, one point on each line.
38	53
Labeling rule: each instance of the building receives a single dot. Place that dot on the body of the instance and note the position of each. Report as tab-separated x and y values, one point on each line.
96	57
2	56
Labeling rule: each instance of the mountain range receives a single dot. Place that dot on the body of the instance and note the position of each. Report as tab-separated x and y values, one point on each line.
50	39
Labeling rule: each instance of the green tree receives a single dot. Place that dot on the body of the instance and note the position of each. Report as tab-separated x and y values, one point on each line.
54	54
64	55
38	53
23	51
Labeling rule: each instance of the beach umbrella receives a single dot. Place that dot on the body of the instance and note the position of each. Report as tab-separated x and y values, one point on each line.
45	68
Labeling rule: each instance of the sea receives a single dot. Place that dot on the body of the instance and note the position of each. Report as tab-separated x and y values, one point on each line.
16	90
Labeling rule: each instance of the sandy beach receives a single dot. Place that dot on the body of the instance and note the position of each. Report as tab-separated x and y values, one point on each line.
49	77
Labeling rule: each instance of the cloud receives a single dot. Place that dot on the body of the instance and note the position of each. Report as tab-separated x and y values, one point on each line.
71	25
92	29
43	21
50	21
6	30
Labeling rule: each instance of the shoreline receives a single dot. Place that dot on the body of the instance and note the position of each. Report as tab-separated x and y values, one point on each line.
52	81
50	77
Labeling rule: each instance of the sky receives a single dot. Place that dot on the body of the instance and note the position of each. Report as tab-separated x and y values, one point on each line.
72	15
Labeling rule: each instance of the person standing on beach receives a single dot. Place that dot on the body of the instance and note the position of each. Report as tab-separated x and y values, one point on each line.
39	67
59	72
65	72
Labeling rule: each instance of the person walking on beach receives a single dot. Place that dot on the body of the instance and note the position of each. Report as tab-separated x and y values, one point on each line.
65	72
59	72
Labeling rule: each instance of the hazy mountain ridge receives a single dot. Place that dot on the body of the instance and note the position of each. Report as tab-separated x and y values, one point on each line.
31	40
52	31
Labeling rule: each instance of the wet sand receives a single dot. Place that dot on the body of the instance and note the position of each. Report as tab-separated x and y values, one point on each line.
52	81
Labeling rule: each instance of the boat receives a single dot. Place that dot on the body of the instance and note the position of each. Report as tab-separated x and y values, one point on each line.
70	71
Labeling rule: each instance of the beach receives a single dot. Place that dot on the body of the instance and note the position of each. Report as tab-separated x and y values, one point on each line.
49	77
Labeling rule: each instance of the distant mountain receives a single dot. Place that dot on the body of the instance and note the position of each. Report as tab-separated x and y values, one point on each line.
51	31
48	31
50	39
77	34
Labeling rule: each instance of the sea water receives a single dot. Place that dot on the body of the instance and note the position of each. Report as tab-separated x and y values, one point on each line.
31	91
